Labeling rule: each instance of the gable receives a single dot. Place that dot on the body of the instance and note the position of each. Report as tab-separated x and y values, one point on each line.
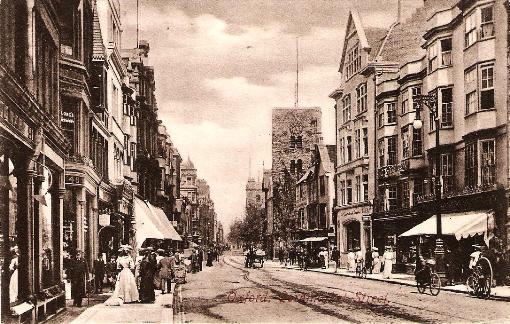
353	31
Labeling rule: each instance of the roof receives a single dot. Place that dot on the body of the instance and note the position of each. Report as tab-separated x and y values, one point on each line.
404	40
375	37
188	164
98	50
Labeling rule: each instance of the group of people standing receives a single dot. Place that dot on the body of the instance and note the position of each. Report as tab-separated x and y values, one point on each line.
199	254
133	280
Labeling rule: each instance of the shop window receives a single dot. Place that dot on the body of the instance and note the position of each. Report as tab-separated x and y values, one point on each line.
471	165
488	162
392	150
405	194
487	87
446	107
352	231
417	190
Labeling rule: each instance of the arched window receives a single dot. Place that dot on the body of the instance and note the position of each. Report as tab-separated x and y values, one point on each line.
292	141
299	142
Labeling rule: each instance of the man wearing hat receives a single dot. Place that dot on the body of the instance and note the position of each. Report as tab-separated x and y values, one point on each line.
79	272
335	256
368	260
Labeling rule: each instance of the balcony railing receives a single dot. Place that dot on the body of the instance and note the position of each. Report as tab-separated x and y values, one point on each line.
464	192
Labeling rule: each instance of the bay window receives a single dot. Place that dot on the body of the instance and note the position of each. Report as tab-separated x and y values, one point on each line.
471	165
446	107
349	191
405	142
417	143
380	146
447	171
487	87
470	29
487	22
432	55
365	141
446	52
365	187
488	162
392	197
391	112
349	148
357	143
392	150
361	97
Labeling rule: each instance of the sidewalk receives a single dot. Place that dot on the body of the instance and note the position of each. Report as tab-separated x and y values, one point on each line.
502	292
161	311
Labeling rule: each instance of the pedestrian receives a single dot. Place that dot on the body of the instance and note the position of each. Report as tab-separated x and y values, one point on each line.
358	256
368	260
351	260
79	272
335	256
111	272
210	258
13	272
200	259
147	271
166	272
126	290
46	262
323	257
99	271
376	263
160	254
389	258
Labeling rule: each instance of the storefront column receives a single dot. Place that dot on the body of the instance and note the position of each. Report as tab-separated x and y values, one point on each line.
61	194
80	214
93	227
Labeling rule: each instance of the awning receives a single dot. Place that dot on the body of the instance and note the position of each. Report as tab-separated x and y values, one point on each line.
145	226
163	223
314	239
305	176
461	225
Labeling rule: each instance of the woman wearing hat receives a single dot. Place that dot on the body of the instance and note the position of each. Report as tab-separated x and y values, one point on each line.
125	287
376	261
13	270
389	258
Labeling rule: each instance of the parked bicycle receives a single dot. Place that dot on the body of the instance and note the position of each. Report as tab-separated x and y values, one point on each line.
479	281
427	277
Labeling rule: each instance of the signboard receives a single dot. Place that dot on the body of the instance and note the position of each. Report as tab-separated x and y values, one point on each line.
104	219
365	218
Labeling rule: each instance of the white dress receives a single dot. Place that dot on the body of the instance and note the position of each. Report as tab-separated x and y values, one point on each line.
376	262
389	257
351	259
126	290
13	283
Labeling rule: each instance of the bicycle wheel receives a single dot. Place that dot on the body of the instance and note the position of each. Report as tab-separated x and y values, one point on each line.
470	283
484	286
435	284
421	287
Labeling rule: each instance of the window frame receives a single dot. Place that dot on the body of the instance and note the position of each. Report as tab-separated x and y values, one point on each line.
489	88
361	98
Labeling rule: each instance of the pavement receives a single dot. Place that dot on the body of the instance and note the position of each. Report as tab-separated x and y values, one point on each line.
502	292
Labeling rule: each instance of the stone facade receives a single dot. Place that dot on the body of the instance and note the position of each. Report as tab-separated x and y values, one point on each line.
254	193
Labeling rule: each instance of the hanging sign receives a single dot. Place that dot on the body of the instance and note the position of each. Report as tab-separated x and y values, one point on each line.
104	219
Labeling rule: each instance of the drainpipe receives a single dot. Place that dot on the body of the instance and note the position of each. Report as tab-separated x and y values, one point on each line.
375	203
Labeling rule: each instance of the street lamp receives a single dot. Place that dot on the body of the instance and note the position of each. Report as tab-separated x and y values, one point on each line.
430	101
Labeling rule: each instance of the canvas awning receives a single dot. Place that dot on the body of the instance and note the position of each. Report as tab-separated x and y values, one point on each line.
461	225
163	223
145	226
314	239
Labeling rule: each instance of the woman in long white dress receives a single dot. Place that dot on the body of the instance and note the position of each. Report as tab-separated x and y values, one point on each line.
351	260
376	262
13	283
126	290
389	257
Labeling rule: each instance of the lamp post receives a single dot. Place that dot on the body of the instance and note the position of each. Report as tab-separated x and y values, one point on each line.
430	101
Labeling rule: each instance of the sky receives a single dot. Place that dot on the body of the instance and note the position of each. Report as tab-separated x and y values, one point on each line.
222	65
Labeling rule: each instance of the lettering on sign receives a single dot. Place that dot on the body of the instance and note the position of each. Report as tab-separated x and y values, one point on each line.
67	117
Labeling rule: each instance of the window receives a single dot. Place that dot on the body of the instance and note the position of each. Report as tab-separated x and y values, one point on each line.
405	142
46	71
133	154
405	194
471	165
353	63
432	121
405	106
299	166
470	30
446	107
392	197
292	142
346	112
292	166
365	141
299	142
432	54
358	188
446	52
487	87
380	145
487	22
127	157
365	187
447	171
417	144
342	192
392	113
341	151
470	88
322	186
417	190
125	104
415	91
357	143
349	148
115	100
392	150
349	191
488	162
380	110
361	97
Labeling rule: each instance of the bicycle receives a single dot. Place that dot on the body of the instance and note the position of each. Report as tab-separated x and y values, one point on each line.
431	279
479	282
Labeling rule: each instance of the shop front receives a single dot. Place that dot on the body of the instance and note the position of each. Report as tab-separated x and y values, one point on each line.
352	231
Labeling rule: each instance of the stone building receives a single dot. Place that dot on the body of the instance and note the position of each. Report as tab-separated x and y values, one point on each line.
267	229
188	188
294	133
207	217
254	193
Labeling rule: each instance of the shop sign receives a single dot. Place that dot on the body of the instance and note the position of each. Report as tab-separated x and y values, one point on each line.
356	211
15	120
365	218
72	179
104	219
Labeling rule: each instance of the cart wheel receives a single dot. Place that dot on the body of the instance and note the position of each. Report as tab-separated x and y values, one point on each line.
421	287
435	284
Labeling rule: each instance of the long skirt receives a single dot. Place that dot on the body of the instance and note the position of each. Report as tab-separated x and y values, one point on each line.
388	266
13	287
147	294
125	291
376	268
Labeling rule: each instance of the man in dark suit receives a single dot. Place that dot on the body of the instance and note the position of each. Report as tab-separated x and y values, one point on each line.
99	271
79	271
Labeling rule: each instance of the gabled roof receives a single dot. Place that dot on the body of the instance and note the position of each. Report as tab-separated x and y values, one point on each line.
98	50
370	39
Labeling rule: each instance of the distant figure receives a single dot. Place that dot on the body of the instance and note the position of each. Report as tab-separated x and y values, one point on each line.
99	271
210	258
368	260
389	259
79	271
147	271
351	260
13	271
376	263
335	256
166	272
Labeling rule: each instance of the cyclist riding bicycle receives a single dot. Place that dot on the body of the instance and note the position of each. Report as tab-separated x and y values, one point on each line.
423	270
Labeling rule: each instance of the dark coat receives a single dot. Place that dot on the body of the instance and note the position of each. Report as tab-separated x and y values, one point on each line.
78	273
147	272
99	268
167	267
